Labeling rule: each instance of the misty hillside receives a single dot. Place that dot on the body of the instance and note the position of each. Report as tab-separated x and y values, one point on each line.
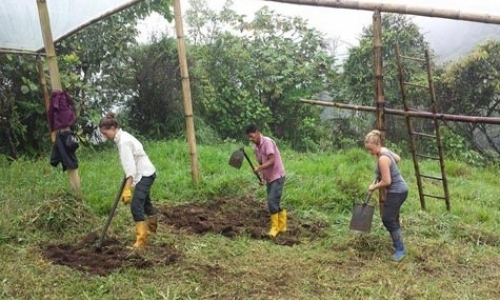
452	39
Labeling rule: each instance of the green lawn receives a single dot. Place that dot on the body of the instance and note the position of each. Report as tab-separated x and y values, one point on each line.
451	255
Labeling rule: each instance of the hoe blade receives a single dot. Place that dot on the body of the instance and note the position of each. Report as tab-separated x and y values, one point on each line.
236	159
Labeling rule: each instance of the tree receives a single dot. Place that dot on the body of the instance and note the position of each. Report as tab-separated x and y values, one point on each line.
94	68
156	110
471	86
359	77
23	122
101	56
258	70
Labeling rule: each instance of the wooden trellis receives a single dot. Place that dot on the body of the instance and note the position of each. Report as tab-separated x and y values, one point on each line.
380	109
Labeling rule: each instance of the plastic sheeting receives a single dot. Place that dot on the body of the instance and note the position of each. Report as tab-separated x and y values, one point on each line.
20	24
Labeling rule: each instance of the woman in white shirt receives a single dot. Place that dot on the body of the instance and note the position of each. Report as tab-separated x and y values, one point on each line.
140	173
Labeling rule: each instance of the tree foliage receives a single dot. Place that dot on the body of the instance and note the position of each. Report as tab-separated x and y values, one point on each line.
23	122
156	110
94	68
358	75
258	70
471	87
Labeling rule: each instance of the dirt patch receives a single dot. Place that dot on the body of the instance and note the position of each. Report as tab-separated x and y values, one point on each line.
237	217
84	257
228	217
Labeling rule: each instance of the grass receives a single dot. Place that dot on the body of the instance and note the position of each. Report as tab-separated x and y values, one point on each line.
451	255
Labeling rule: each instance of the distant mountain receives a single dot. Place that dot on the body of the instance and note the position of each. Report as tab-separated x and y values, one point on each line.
452	39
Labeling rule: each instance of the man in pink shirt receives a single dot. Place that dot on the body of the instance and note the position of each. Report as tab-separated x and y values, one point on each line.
273	175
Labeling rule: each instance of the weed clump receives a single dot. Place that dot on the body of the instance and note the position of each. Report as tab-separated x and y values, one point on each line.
57	215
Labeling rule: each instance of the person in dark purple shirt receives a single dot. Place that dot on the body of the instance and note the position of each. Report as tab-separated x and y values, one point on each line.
61	116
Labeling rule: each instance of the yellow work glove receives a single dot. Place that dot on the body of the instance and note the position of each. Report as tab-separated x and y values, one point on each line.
126	195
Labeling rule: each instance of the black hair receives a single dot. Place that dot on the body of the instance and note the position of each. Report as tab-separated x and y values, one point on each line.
252	128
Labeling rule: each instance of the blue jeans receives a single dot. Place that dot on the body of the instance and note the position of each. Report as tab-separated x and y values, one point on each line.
141	205
274	191
392	206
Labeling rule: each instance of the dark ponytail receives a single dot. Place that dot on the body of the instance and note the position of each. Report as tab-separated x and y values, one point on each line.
109	121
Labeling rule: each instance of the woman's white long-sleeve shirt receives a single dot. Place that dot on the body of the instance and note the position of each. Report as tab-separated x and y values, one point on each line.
134	160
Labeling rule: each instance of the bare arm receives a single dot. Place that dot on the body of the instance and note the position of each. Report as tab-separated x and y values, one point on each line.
384	163
267	164
396	157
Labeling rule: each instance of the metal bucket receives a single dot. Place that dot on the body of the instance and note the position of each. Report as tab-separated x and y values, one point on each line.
362	216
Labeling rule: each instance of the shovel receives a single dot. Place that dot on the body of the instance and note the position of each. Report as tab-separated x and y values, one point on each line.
236	160
110	216
362	215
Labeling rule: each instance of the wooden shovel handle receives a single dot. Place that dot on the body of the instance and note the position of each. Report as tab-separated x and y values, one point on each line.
250	162
369	193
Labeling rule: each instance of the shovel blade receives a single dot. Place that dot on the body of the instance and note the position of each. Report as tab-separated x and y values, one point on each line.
362	217
236	159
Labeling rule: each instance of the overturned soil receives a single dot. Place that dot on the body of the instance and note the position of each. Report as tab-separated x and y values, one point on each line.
236	217
112	255
226	216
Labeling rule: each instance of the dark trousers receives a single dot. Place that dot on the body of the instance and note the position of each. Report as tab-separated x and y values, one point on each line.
392	206
141	205
274	191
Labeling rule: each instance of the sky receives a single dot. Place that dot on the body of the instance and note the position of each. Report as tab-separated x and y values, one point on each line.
343	24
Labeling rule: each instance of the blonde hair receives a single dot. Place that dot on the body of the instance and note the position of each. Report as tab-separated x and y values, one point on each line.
374	137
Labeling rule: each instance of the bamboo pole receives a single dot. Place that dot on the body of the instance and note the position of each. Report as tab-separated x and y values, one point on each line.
43	84
51	58
400	9
43	12
411	113
96	19
186	90
379	73
55	80
20	51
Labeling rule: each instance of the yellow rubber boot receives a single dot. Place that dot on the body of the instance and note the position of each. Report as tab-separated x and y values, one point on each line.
282	221
141	231
274	225
152	222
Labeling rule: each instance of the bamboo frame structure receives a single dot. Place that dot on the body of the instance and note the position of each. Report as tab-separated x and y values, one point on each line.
378	70
379	73
95	20
19	51
55	80
43	85
358	5
48	41
399	9
186	90
409	127
411	113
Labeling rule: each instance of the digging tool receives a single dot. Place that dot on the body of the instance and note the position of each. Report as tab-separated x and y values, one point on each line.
236	160
362	214
110	216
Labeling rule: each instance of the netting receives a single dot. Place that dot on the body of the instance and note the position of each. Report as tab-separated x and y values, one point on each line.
20	23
